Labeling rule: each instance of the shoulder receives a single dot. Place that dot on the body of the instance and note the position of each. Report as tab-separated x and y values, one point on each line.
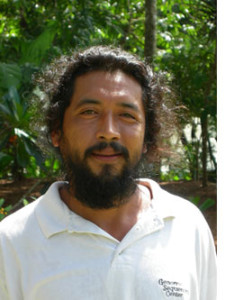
17	221
25	220
183	217
169	205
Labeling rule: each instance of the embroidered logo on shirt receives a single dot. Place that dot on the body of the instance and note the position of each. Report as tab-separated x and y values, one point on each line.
172	288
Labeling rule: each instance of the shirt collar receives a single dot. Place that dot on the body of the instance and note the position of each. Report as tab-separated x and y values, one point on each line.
55	217
52	213
160	199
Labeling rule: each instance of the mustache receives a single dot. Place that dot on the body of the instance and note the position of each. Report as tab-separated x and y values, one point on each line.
103	145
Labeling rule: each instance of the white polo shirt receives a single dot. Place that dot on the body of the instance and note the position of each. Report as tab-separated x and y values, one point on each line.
48	252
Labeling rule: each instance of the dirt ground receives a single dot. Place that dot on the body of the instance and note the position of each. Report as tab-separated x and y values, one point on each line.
30	189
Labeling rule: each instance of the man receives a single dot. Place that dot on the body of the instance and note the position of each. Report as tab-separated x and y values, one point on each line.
103	233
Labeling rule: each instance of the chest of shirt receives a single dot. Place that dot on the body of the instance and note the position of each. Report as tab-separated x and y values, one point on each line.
93	267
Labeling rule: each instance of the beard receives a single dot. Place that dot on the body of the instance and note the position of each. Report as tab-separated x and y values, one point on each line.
106	189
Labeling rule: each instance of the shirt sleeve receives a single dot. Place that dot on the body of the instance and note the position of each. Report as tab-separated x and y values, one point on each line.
9	266
208	265
3	288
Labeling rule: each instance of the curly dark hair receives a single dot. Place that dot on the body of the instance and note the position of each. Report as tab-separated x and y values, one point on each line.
58	84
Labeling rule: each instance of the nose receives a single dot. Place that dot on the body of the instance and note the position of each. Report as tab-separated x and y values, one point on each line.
108	129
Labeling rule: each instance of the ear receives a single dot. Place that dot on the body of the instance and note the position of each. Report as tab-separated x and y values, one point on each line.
56	136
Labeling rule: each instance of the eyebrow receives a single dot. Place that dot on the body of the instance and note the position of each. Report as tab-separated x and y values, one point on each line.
122	104
129	105
88	101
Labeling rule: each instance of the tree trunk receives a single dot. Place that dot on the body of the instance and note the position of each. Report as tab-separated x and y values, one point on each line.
211	155
204	120
204	125
150	30
149	52
197	146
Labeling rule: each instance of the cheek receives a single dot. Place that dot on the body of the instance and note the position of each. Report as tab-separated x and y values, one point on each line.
139	133
78	132
78	142
135	140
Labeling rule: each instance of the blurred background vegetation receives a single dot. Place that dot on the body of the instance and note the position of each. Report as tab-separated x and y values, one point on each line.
176	37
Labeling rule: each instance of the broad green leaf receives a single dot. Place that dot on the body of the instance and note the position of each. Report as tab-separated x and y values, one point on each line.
195	200
5	109
34	150
10	75
25	202
1	202
5	160
21	133
14	111
207	204
5	138
35	51
23	158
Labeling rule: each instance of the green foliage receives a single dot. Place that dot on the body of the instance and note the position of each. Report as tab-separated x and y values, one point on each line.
17	144
187	52
25	202
4	210
187	43
175	175
34	32
208	203
10	75
34	51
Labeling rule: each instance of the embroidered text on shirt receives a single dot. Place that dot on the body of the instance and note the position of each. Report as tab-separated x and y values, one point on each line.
172	288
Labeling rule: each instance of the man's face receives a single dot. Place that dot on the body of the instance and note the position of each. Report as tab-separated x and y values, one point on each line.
104	125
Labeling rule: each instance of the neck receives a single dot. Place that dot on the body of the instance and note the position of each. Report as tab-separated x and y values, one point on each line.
116	221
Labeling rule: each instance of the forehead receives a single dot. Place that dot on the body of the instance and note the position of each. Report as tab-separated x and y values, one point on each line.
102	83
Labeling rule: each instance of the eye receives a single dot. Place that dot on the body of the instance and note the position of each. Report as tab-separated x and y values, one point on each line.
128	116
88	112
